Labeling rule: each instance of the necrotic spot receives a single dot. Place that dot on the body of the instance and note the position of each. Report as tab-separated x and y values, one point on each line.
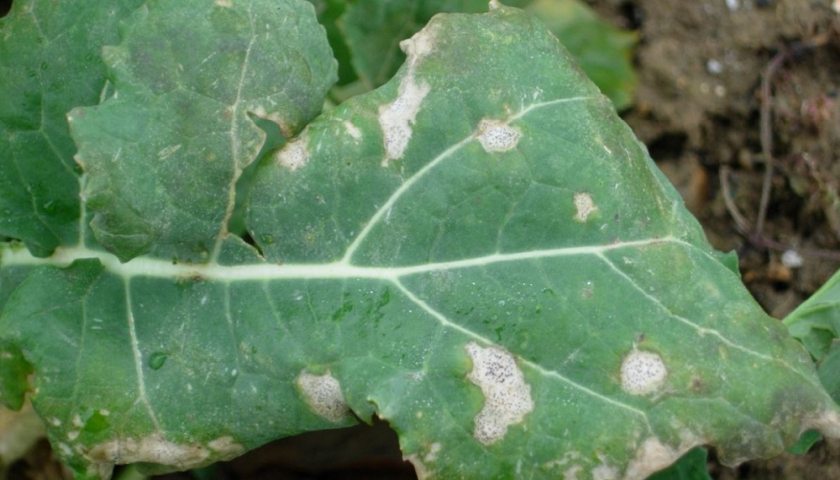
294	155
584	206
507	398
642	372
323	394
496	136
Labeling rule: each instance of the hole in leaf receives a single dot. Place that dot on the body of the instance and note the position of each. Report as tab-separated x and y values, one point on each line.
668	146
247	238
361	451
634	15
5	7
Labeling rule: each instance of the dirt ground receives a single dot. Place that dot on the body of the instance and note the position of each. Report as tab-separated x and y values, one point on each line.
700	106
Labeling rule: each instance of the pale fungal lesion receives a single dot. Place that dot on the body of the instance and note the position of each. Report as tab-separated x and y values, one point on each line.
827	422
584	207
397	118
642	372
157	449
604	472
507	397
323	395
651	456
420	470
224	3
497	136
294	154
353	130
432	453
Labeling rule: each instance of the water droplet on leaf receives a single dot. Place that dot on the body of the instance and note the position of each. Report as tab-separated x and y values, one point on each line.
156	360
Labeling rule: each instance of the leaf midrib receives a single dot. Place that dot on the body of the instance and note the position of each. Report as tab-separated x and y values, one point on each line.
159	268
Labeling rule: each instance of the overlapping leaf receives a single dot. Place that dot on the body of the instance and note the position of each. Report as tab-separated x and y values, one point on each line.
373	29
817	324
479	252
49	63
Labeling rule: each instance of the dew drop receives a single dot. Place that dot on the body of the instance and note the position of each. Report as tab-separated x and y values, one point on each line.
156	360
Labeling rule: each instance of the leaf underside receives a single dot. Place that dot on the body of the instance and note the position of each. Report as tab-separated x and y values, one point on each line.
479	252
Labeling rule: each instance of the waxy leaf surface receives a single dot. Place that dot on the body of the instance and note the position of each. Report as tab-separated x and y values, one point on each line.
479	252
49	63
373	29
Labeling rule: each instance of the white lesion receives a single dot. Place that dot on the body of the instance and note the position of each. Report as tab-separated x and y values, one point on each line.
497	136
584	206
396	119
295	154
507	397
323	395
642	372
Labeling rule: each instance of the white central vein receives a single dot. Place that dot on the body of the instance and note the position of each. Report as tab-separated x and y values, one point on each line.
157	268
138	356
417	176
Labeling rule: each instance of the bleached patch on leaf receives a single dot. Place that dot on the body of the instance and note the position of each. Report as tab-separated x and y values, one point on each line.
572	472
167	152
507	398
323	394
420	470
827	422
651	457
294	154
642	372
604	472
584	206
156	449
224	3
397	118
497	136
225	445
353	130
432	454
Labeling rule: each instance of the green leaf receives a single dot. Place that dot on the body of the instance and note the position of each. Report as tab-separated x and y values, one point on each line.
829	370
479	252
691	466
807	440
603	51
329	12
49	63
185	98
373	30
816	322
